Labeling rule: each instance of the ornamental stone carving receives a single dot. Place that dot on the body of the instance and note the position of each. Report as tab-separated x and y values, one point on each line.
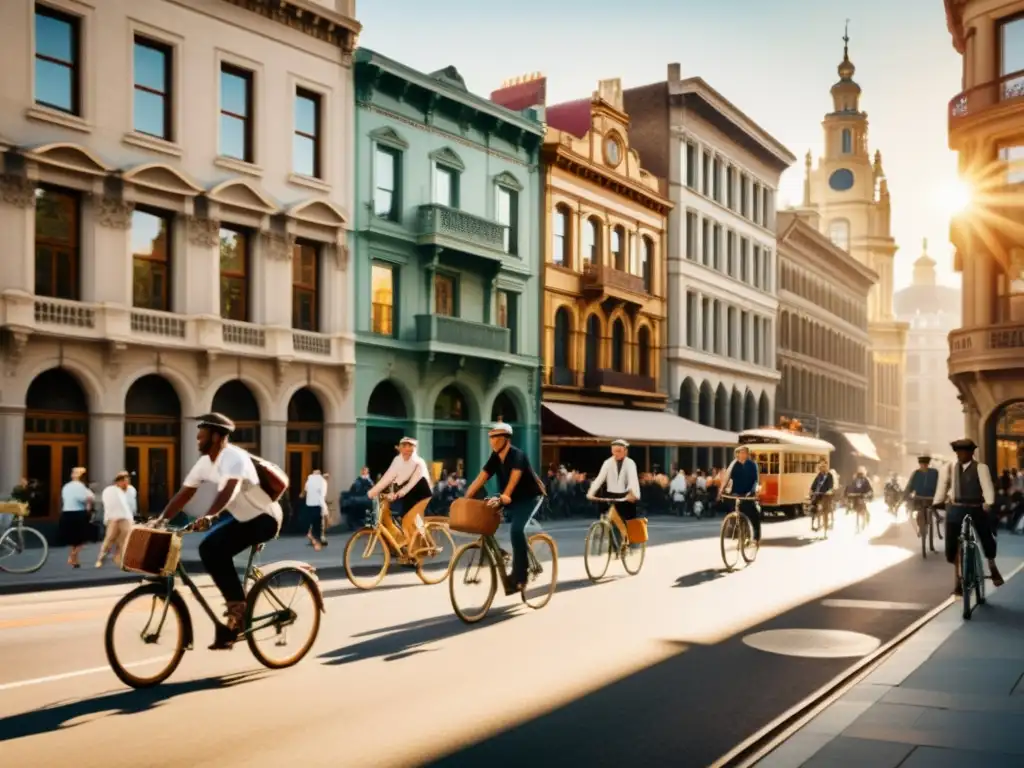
114	213
278	247
203	232
17	190
341	256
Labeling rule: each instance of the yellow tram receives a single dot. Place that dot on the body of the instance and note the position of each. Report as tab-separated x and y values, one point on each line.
787	462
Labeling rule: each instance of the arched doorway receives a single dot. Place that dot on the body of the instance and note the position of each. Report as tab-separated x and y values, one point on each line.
688	409
386	424
1006	437
152	437
236	401
717	455
504	409
562	373
56	436
451	432
736	415
764	411
750	411
305	440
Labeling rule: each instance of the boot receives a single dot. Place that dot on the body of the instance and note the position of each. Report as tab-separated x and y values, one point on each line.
228	632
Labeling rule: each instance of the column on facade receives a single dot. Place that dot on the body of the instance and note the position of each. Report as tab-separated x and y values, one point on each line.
17	222
274	441
106	448
340	441
12	437
698	320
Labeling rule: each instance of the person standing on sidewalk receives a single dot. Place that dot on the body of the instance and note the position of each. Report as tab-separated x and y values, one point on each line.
118	516
76	503
315	496
968	484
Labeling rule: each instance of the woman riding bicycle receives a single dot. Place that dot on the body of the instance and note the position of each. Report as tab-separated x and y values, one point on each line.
253	518
619	477
409	472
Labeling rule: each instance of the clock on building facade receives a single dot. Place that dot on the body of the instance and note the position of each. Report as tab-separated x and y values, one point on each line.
841	180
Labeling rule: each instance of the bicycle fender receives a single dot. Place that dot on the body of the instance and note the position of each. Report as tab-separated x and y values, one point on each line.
160	588
306	568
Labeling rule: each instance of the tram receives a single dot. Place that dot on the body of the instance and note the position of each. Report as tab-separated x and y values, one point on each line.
788	463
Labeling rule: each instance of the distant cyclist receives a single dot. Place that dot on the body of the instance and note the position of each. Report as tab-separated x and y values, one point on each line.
922	485
822	489
621	482
743	479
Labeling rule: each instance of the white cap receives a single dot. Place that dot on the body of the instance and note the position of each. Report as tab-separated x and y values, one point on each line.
410	440
500	428
621	442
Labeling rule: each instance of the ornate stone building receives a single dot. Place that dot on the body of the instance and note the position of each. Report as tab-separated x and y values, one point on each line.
847	198
986	126
176	196
824	345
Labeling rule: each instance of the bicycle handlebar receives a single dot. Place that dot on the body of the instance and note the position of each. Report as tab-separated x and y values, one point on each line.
737	498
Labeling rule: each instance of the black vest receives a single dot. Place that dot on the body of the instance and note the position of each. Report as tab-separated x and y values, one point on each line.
968	489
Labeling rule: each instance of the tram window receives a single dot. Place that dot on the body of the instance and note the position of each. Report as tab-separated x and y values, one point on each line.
773	464
762	462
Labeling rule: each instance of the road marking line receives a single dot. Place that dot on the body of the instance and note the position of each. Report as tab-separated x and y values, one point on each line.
875	605
67	675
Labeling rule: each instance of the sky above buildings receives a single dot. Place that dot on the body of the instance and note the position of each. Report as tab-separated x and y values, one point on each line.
775	60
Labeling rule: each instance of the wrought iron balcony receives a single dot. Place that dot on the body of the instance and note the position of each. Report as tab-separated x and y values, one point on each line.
599	278
1008	91
474	338
457	230
602	378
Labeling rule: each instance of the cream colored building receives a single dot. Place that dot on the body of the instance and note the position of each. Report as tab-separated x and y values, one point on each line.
824	344
174	202
848	195
986	126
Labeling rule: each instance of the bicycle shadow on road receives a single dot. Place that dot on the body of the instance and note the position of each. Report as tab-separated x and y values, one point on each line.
789	542
700	577
122	702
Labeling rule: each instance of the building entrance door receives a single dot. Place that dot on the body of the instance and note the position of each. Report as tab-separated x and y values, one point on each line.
152	465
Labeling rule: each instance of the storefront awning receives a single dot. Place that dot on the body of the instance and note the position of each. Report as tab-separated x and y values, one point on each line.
862	445
587	423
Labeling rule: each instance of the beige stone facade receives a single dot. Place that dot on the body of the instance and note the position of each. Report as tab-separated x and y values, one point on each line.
986	126
175	198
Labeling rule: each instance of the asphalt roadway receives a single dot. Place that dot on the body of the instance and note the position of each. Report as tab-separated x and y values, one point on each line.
657	669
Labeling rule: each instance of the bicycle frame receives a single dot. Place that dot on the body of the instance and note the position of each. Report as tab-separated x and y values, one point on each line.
493	549
382	531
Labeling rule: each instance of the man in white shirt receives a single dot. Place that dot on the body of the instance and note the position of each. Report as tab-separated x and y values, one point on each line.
677	488
315	495
968	484
253	518
409	472
621	482
118	517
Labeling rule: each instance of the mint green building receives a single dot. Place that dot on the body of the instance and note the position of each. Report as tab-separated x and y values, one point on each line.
446	253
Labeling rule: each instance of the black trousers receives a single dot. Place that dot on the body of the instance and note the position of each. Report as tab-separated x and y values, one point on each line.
416	494
750	510
225	540
955	514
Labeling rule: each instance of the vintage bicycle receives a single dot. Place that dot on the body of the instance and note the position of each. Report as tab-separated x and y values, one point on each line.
924	518
970	564
483	562
859	507
737	535
20	541
430	546
822	515
166	623
600	547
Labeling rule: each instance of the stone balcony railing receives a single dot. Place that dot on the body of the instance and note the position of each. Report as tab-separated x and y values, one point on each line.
475	233
111	322
1007	90
988	348
605	279
485	339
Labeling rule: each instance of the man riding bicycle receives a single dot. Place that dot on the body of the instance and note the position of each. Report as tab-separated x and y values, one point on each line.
921	485
250	518
969	484
892	492
409	472
822	489
743	480
621	482
519	491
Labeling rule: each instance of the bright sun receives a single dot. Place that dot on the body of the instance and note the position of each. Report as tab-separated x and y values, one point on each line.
954	196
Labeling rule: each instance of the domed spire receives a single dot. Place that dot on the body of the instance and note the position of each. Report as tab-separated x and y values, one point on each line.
846	92
924	267
846	68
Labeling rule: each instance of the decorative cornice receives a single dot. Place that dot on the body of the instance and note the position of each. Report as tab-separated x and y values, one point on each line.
203	232
278	246
114	213
583	169
17	190
317	22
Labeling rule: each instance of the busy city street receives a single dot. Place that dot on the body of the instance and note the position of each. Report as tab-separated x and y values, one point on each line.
687	658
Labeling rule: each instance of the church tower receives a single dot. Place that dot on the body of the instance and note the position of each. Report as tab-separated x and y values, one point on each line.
847	195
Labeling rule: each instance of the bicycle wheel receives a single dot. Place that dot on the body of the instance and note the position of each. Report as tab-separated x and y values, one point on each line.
633	557
149	604
923	531
367	558
597	550
273	613
730	540
826	523
437	548
22	550
979	583
748	547
472	567
967	576
815	518
543	564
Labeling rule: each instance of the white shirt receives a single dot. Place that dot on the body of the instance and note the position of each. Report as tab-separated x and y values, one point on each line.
133	498
405	473
116	505
316	490
678	487
948	480
616	480
74	496
233	463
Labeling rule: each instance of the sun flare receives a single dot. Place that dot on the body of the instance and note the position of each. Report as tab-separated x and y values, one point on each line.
954	196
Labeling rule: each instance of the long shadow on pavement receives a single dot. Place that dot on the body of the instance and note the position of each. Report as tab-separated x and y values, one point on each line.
701	577
125	702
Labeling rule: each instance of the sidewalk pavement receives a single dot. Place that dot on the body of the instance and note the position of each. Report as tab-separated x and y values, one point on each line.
952	695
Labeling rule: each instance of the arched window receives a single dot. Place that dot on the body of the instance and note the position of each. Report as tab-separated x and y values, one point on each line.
847	141
618	346
561	253
619	248
643	347
592	241
593	350
839	233
647	264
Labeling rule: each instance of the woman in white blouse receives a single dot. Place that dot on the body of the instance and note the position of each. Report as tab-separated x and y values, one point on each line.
118	516
74	526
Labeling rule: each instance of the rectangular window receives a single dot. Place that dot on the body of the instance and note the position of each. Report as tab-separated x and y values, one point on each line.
691	165
508	317
744	259
705	242
1013	156
744	339
1011	53
387	163
560	237
58	255
744	194
757	340
508	214
716	246
716	314
152	104
731	330
691	319
57	60
305	281
755	199
306	141
446	186
730	253
757	266
705	171
151	260
730	184
444	295
766	264
382	292
691	235
234	274
236	108
716	180
647	264
707	325
766	198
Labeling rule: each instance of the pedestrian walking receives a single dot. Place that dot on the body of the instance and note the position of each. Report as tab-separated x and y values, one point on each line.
118	517
74	527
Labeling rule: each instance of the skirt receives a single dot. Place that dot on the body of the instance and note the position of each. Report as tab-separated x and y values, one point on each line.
74	528
416	494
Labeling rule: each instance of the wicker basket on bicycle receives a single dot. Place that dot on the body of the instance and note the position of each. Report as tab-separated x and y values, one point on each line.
15	508
152	552
474	516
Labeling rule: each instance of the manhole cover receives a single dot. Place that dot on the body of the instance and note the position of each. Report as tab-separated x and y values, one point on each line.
813	643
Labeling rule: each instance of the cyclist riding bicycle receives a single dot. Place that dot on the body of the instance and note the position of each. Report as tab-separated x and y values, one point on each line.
892	491
409	472
969	484
250	518
823	487
921	485
621	482
743	480
519	491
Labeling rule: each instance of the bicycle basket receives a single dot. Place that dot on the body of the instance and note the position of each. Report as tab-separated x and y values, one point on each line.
15	508
152	552
474	516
